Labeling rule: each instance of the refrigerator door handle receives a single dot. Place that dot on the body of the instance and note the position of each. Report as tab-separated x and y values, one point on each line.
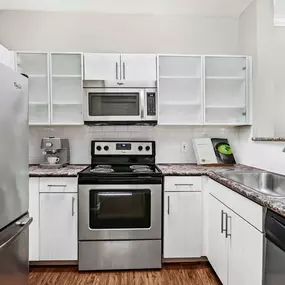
9	234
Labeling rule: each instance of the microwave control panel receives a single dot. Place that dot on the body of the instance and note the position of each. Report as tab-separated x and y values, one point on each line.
151	103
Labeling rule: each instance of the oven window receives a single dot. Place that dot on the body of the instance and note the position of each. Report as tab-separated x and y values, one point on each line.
119	209
114	104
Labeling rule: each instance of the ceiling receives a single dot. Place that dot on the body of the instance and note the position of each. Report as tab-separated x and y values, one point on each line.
224	8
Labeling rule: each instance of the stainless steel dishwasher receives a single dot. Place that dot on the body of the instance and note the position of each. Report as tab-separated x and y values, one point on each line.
275	249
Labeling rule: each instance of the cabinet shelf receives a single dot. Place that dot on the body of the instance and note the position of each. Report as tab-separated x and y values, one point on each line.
225	107
225	78
38	103
179	103
66	76
66	123
37	75
66	103
180	77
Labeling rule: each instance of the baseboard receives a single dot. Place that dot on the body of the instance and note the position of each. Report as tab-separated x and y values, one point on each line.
184	260
53	263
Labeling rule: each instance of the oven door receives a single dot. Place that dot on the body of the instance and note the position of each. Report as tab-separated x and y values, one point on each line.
114	104
120	212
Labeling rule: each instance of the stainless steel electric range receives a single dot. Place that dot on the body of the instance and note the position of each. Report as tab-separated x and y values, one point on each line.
120	207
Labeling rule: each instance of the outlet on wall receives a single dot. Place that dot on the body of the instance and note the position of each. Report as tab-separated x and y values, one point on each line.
184	147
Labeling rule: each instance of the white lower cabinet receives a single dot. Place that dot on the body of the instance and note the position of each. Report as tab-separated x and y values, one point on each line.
58	226
235	247
246	253
182	230
53	206
35	214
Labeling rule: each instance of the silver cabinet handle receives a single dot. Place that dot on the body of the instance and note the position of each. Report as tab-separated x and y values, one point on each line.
124	70
228	218
168	205
222	221
73	202
117	70
184	184
57	185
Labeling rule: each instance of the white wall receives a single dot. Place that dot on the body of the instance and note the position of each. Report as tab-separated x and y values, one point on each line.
182	7
264	155
265	43
168	140
258	37
93	32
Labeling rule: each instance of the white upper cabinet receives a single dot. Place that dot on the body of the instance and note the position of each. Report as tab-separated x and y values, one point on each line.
99	66
226	90
204	90
180	90
116	67
138	67
55	87
35	65
66	89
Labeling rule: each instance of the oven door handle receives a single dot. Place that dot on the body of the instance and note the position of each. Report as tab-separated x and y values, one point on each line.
115	194
142	104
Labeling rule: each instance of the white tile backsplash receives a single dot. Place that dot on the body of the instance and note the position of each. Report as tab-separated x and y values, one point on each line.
168	139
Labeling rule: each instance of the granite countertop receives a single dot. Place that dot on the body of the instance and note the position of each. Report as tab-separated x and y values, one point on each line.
70	170
269	139
198	170
275	204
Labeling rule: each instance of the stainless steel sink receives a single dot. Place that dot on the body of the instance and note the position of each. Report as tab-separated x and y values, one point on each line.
264	182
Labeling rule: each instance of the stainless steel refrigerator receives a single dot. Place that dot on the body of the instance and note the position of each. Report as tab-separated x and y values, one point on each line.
14	178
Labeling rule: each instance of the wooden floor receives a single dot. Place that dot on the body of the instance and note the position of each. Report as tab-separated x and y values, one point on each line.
178	274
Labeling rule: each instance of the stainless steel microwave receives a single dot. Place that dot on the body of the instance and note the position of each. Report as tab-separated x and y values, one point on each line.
120	106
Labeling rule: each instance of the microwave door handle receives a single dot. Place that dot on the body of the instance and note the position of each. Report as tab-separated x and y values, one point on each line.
142	105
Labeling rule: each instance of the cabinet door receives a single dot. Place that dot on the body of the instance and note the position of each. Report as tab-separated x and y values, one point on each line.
182	225
2	54
226	89
34	213
217	242
35	65
66	89
246	252
138	67
58	226
8	58
101	66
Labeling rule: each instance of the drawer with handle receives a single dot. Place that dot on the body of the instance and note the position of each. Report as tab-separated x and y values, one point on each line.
182	184
58	185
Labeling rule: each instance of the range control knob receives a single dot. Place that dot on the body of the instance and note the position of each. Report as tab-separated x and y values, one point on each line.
48	144
98	147
106	148
147	148
140	148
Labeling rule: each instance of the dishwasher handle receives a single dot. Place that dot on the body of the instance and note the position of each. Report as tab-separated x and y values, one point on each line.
275	229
